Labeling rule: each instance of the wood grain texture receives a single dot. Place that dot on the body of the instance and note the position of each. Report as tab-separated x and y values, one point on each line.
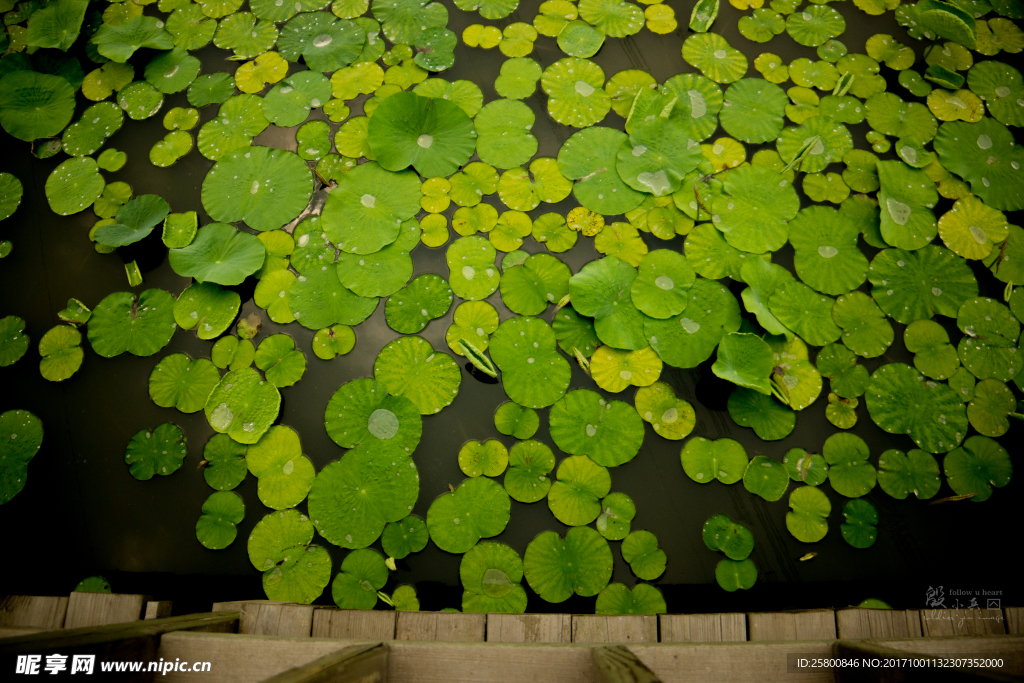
703	628
352	664
878	623
529	628
1014	620
240	658
33	611
616	664
12	631
420	662
962	622
102	609
270	618
158	609
440	626
806	625
626	628
732	662
349	624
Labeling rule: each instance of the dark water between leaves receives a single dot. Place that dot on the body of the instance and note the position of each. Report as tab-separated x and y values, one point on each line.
81	512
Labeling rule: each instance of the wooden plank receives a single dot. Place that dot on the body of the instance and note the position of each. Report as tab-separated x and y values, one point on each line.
102	609
1014	620
529	628
703	628
440	626
33	611
962	622
627	628
241	658
11	631
331	622
1009	649
421	662
616	664
804	625
734	662
271	618
158	609
69	639
878	623
352	664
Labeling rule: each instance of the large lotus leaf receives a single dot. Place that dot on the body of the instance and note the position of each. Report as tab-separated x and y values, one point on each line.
575	89
745	360
989	345
410	367
575	495
21	435
264	187
527	289
915	285
216	527
354	497
901	401
529	464
366	211
587	157
978	466
984	154
317	299
583	423
504	133
477	508
140	326
827	257
662	282
120	42
160	451
807	518
972	229
849	470
688	339
434	136
602	290
900	474
135	220
906	198
35	105
243	405
179	382
697	103
657	156
325	42
363	573
362	411
534	374
491	574
284	473
580	563
57	25
403	20
705	460
754	209
384	272
225	462
1000	85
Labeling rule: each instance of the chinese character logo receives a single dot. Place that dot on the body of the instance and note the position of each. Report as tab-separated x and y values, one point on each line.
935	598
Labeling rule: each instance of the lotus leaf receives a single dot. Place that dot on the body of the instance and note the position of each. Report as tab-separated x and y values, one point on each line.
359	222
432	135
575	89
988	348
976	467
732	575
362	411
225	462
583	423
984	155
60	352
489	458
363	573
866	331
179	382
21	435
216	527
901	401
233	353
769	419
640	550
714	57
934	356
900	473
753	109
809	509
141	326
705	460
477	508
616	598
687	339
325	42
580	563
150	452
860	530
574	497
916	285
754	209
410	367
809	468
806	312
264	187
745	360
491	574
404	537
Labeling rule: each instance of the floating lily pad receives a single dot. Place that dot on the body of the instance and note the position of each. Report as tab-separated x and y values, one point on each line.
916	285
705	460
582	423
60	352
529	288
769	419
179	382
21	435
687	339
616	598
866	331
140	326
219	254
35	105
424	299
815	25
581	159
363	573
640	550
827	257
233	353
432	135
754	209
714	57
672	418
988	348
978	466
529	464
809	468
404	537
806	312
745	360
13	340
365	212
971	229
354	497
74	186
226	467
849	470
243	406
580	563
807	518
575	89
900	474
158	451
362	411
325	42
860	530
934	356
491	574
410	367
984	155
489	458
477	508
216	527
580	484
264	187
993	402
901	401
732	575
602	289
533	373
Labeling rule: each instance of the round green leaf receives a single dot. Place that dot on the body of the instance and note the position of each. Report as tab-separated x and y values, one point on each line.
160	451
580	563
583	423
243	406
477	508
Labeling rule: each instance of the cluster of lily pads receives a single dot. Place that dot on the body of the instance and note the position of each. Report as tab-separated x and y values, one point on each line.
643	166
